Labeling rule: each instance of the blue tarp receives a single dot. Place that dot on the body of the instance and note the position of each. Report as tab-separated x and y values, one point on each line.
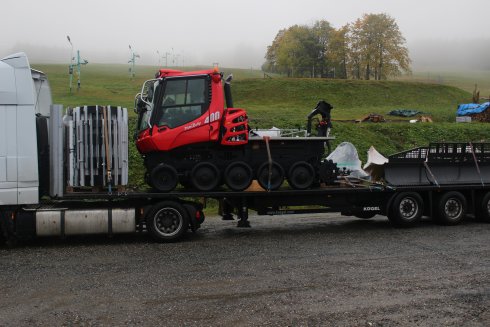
405	112
472	108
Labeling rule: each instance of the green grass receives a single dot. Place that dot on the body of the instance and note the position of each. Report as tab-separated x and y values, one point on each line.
464	80
285	103
290	100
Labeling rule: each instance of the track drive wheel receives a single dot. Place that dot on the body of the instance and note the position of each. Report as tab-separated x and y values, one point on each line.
168	221
450	208
301	175
406	209
483	208
164	178
238	176
276	177
205	176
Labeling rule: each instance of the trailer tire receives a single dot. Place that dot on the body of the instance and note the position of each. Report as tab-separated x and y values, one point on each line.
168	221
406	209
483	208
164	178
450	208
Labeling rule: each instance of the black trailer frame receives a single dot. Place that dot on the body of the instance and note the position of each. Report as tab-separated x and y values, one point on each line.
404	206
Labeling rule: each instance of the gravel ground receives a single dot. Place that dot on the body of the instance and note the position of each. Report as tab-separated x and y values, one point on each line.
285	271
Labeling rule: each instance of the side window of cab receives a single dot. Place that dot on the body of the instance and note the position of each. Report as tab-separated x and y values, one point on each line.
183	100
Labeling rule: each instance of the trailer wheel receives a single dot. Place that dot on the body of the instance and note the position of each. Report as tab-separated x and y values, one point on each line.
205	176
483	208
164	178
276	178
168	221
406	209
450	208
238	176
301	175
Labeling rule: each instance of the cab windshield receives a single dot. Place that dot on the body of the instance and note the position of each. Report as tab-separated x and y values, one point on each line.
182	101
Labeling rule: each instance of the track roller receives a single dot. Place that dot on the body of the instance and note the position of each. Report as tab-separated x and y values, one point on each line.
238	176
164	178
270	177
205	176
301	175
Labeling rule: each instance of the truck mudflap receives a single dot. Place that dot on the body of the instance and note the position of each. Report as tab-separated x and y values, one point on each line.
196	215
440	164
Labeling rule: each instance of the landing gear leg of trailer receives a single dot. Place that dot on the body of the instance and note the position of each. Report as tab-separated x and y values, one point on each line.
243	214
226	210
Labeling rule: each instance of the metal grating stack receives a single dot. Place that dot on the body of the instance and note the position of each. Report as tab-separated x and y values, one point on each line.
97	146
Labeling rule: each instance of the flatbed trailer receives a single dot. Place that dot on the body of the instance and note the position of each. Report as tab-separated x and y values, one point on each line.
168	216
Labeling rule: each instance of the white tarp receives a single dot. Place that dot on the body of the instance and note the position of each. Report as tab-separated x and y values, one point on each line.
374	164
346	156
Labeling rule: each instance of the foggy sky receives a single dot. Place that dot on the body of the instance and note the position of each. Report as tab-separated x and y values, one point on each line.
234	33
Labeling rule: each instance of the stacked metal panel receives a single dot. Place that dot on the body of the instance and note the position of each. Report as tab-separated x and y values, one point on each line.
97	143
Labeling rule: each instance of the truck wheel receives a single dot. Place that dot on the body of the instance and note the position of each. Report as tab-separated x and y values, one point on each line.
301	175
168	221
406	209
238	176
205	176
276	178
164	178
450	208
483	208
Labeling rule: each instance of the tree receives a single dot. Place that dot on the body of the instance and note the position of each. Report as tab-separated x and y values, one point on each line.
300	50
370	47
271	64
381	46
293	52
338	51
322	30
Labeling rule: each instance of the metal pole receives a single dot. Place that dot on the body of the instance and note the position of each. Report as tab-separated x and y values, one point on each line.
70	68
78	69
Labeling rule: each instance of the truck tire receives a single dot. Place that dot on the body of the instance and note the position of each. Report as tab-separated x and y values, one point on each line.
450	208
164	178
483	208
406	209
301	175
168	221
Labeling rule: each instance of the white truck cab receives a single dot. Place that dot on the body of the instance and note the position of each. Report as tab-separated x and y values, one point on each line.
24	96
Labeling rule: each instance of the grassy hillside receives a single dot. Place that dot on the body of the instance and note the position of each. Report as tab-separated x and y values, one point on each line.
464	80
285	103
292	99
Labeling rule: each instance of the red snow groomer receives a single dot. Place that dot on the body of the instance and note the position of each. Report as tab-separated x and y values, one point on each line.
186	135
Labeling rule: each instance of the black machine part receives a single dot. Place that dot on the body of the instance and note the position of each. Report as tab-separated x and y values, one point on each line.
227	90
323	108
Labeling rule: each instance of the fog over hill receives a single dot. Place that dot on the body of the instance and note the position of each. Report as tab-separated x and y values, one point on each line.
440	34
426	55
450	55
